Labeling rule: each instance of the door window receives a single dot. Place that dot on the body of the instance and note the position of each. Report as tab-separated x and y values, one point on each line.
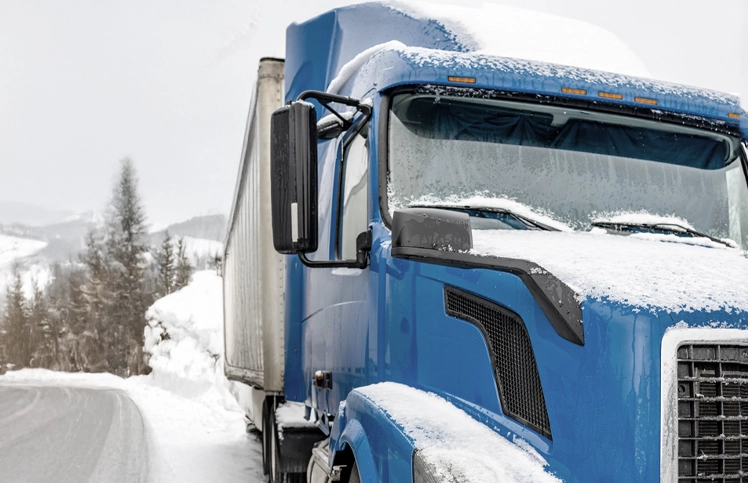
354	217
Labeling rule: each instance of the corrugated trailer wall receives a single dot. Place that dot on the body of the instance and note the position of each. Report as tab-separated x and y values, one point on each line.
254	273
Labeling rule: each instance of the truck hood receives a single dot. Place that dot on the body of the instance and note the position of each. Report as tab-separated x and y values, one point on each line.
650	272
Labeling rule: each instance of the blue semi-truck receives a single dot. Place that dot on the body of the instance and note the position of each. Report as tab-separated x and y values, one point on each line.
450	266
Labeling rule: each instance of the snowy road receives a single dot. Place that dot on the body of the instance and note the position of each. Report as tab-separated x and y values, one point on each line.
99	428
71	434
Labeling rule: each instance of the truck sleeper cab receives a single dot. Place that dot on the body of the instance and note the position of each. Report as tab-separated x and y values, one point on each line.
493	270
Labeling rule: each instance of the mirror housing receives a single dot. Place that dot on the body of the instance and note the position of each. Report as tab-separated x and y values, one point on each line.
431	228
293	173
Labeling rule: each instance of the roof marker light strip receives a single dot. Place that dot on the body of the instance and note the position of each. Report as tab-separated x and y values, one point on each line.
610	95
464	80
571	90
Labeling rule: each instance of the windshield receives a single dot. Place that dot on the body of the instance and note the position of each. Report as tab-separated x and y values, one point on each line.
573	167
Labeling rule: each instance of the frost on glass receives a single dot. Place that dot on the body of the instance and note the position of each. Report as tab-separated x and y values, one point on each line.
571	187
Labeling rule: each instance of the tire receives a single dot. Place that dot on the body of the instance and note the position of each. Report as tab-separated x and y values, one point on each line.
355	476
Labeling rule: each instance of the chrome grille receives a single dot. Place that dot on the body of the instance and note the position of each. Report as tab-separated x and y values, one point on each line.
713	413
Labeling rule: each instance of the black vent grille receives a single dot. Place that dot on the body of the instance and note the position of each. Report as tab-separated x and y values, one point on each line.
713	413
513	359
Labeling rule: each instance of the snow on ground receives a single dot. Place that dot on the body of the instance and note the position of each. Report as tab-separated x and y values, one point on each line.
455	445
184	336
197	426
13	250
199	250
652	272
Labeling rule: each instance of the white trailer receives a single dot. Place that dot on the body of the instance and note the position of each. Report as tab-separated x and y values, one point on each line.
254	273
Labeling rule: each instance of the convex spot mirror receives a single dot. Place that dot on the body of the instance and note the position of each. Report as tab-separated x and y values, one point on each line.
293	174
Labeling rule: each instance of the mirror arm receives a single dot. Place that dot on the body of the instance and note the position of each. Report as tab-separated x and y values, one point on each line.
325	99
363	247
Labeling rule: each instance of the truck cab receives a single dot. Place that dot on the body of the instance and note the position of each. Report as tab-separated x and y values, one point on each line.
491	269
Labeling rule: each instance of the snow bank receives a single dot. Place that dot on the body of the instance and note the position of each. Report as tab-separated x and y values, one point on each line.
524	34
454	443
646	271
184	337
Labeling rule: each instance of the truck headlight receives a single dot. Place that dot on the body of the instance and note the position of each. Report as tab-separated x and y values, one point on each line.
426	472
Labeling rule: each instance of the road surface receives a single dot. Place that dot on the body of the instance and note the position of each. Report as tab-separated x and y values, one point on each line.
71	434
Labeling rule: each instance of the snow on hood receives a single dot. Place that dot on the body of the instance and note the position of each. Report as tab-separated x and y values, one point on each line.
644	272
524	34
454	443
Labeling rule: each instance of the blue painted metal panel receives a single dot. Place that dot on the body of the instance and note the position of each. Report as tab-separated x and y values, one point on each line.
377	441
388	323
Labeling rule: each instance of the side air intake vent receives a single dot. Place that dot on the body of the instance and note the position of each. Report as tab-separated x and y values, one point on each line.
511	352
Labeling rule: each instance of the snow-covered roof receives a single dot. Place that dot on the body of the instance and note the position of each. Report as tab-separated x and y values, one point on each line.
507	31
651	272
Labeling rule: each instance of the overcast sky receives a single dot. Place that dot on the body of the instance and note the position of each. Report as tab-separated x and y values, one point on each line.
167	83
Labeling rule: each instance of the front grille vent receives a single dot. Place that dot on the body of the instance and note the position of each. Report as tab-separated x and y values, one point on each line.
511	352
712	413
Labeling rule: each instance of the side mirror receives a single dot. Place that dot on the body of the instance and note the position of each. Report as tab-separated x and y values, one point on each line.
293	173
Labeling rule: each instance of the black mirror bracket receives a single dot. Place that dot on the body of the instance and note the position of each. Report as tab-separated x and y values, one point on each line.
325	99
363	247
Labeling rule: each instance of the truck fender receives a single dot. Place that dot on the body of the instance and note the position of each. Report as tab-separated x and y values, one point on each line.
381	449
355	437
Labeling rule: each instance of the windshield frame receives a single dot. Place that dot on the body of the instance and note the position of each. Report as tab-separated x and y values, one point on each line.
651	114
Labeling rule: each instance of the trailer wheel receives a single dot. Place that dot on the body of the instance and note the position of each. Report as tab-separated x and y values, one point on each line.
355	477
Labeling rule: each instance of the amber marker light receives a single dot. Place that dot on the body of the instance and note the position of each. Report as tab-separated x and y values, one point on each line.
646	100
733	115
611	95
464	80
571	90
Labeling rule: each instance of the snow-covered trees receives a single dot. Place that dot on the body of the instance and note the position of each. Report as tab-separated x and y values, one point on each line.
183	273
91	316
16	324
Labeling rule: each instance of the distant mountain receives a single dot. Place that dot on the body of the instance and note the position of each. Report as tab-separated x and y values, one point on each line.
209	227
28	214
64	240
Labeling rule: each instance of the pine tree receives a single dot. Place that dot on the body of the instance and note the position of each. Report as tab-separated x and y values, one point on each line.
126	244
166	266
96	291
43	352
184	268
16	324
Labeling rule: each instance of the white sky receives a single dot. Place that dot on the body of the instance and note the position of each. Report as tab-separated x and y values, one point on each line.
85	83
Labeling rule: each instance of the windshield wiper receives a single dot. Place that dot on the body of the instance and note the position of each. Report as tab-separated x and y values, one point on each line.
673	228
501	211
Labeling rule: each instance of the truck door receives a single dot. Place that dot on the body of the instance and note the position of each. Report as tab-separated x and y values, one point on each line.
335	332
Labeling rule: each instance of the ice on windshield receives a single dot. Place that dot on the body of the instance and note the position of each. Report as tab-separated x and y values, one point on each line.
567	171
